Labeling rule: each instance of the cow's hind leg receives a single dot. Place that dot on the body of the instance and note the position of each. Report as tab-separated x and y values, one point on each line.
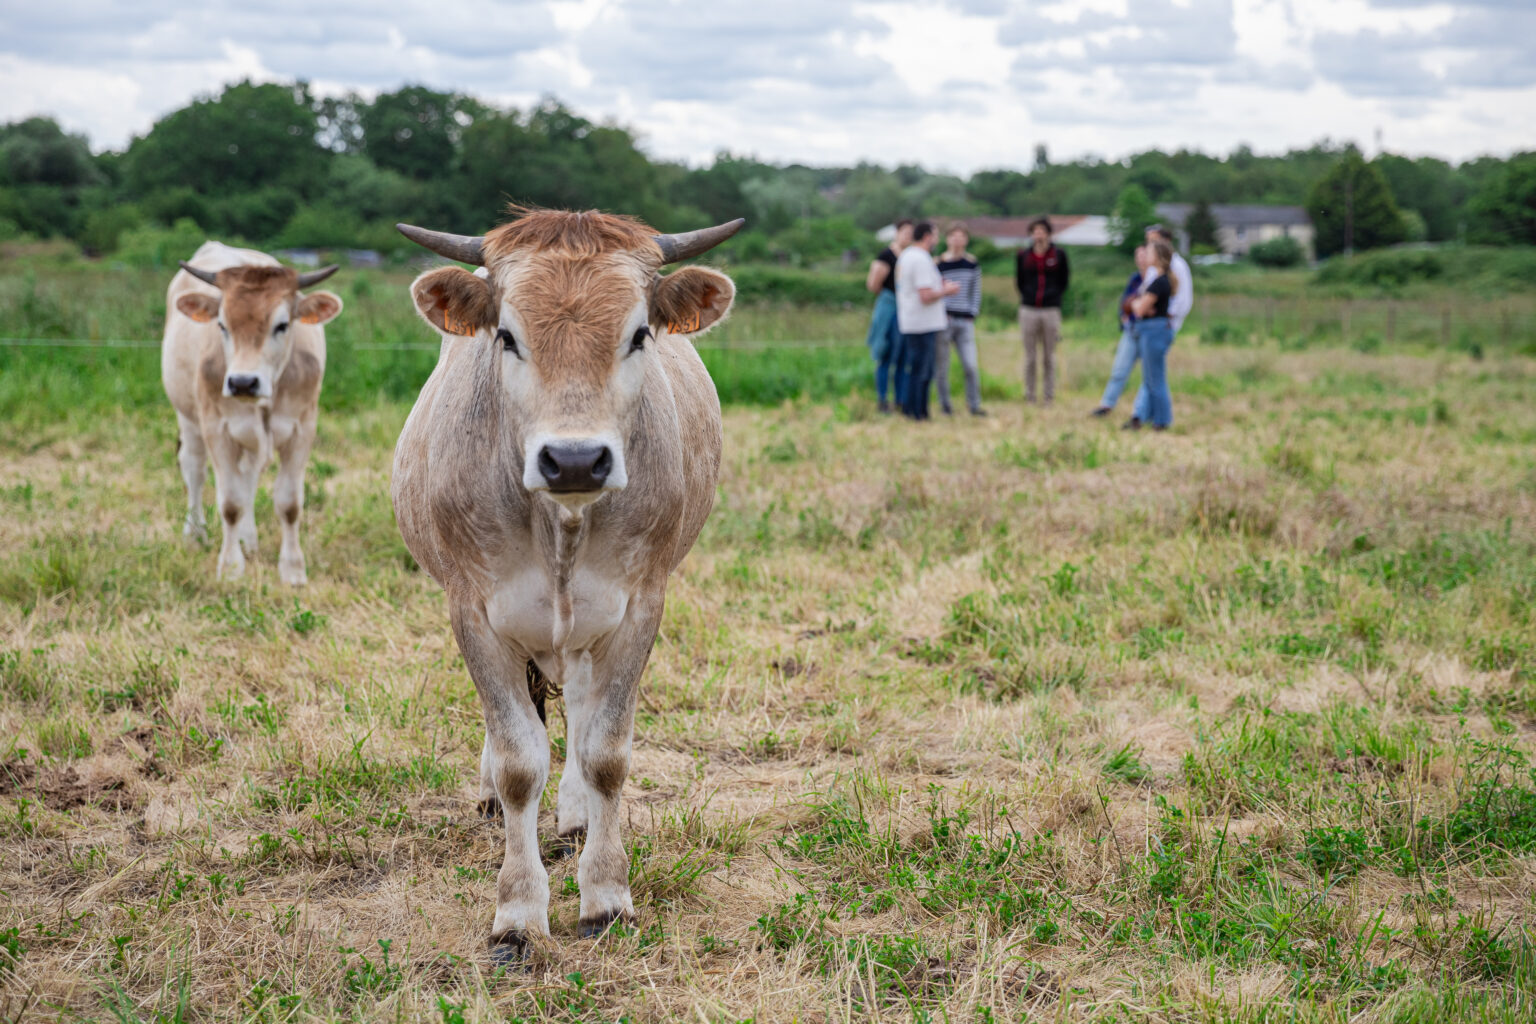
192	457
516	761
288	497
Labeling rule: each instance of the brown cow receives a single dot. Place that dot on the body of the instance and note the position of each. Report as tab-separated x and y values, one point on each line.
557	467
242	360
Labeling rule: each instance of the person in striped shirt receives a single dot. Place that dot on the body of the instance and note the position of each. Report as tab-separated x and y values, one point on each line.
959	266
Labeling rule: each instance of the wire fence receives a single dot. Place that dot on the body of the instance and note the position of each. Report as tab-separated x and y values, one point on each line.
134	343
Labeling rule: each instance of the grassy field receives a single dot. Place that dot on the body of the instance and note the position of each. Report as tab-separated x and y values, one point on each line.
1022	718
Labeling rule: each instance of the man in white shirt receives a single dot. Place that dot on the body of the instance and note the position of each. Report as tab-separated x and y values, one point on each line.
1178	309
920	295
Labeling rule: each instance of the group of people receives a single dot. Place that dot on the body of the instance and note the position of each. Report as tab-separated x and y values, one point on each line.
923	308
926	306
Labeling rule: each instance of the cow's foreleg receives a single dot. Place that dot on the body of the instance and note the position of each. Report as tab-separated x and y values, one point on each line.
516	761
192	457
600	702
235	473
288	497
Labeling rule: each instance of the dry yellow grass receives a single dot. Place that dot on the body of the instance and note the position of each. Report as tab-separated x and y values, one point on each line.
1002	719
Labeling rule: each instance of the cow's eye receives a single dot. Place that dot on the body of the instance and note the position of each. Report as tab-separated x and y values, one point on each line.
638	341
508	343
280	328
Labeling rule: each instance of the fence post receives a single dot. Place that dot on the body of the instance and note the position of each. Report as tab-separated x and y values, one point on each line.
1391	321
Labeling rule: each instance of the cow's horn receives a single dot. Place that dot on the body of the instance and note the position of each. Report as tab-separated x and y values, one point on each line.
316	276
206	276
691	243
464	248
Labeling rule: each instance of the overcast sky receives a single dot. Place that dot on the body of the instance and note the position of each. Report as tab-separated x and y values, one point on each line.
952	84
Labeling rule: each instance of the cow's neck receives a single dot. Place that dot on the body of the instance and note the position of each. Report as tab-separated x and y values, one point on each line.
569	533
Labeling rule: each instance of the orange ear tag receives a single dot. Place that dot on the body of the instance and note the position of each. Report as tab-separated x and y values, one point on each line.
687	326
455	325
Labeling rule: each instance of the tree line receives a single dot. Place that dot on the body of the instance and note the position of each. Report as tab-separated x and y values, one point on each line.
275	165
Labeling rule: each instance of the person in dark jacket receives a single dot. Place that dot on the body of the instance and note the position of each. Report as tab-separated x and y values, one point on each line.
1042	274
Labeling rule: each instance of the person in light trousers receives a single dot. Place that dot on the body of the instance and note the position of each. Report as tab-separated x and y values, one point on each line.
1042	274
960	268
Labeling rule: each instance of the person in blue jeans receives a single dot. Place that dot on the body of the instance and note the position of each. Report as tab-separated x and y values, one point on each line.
884	338
1178	311
920	294
1127	351
1154	336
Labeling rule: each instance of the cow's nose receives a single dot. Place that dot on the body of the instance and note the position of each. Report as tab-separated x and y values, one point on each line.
242	385
575	465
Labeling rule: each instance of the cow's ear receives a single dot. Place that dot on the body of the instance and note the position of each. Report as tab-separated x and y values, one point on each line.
455	301
319	308
690	301
198	306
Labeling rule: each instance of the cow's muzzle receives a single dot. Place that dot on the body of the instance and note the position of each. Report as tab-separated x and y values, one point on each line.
570	467
242	385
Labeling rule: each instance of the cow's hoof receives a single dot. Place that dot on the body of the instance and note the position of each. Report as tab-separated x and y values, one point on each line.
566	845
510	950
593	927
489	808
294	577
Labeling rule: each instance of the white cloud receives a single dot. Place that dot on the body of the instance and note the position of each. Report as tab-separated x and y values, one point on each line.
959	84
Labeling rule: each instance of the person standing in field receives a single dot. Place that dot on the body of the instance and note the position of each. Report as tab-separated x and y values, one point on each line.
1042	274
959	267
884	338
1154	333
1127	352
1178	310
920	295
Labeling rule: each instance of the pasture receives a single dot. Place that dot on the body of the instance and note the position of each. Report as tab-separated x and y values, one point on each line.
1020	718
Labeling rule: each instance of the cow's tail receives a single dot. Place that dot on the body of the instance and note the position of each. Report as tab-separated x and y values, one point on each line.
540	689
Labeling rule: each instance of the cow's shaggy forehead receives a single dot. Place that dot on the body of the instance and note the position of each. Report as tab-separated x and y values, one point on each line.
251	293
574	279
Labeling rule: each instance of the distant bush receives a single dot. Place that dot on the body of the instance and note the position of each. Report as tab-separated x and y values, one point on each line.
1277	252
798	287
1498	269
157	248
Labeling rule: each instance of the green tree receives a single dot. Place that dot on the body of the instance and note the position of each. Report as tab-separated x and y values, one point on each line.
249	137
1201	224
1425	186
1352	208
415	131
1503	212
1133	214
38	152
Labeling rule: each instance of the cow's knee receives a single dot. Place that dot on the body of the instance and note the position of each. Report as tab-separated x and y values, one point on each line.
517	784
290	512
605	772
231	513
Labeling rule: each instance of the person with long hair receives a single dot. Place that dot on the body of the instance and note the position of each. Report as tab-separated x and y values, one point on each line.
1154	335
884	338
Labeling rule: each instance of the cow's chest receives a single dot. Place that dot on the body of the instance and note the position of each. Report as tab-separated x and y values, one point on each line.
530	610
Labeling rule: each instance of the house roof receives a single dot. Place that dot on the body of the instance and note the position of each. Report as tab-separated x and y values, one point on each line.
1015	227
1242	215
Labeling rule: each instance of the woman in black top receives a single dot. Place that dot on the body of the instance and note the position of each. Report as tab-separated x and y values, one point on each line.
1154	335
884	338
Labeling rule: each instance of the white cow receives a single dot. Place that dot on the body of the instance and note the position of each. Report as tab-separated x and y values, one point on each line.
558	465
242	360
